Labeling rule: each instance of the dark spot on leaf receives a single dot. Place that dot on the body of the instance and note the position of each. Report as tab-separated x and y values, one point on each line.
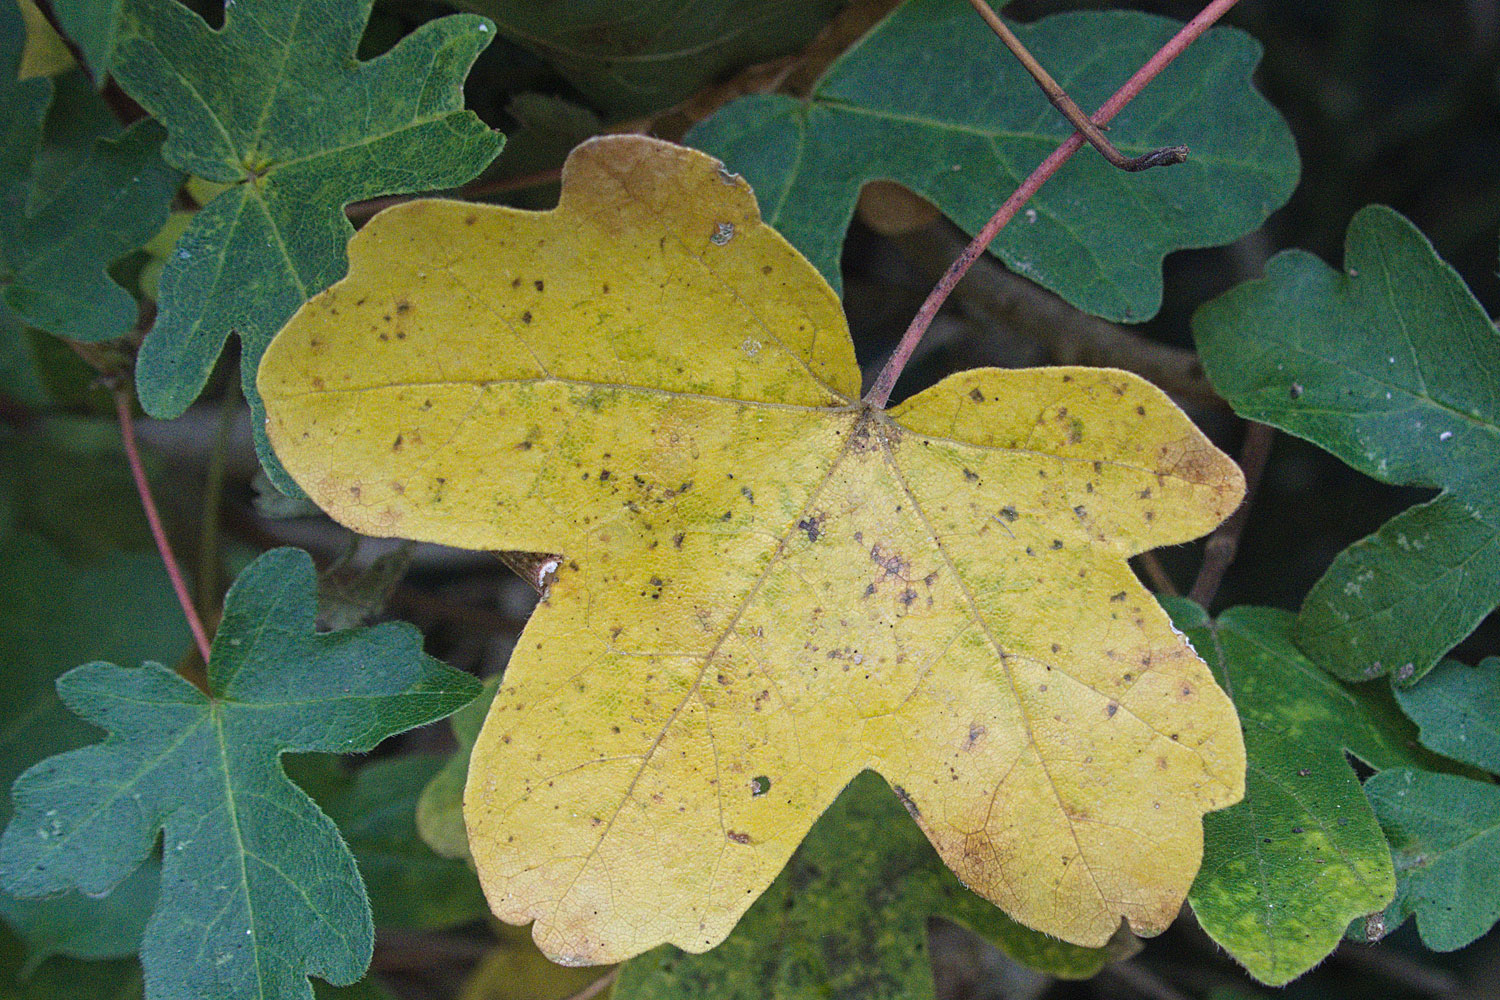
396	444
526	316
738	837
540	285
971	475
1111	709
976	395
813	526
760	785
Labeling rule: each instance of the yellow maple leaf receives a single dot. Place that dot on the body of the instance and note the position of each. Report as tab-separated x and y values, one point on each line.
765	586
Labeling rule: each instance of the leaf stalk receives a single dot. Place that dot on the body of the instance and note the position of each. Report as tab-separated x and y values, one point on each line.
1163	157
153	518
885	382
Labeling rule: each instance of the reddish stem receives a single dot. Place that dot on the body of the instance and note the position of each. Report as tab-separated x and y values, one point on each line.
138	472
880	392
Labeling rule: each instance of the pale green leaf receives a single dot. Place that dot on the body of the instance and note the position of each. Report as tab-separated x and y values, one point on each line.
1286	869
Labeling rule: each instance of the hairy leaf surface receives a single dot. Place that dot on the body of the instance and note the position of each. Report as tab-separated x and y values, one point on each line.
930	99
275	106
1285	870
260	890
848	918
1393	366
762	577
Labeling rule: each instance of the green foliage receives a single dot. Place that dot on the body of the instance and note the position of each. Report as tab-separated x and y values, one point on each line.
262	890
440	810
275	106
1393	366
635	58
1444	830
912	102
59	231
94	26
65	978
410	887
1445	836
1286	869
66	481
52	614
848	918
229	839
68	592
1457	709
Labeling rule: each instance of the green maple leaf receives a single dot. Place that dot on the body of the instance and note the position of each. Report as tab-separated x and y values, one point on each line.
259	890
375	808
848	918
1286	869
1392	365
60	231
52	614
639	57
1444	829
917	101
276	106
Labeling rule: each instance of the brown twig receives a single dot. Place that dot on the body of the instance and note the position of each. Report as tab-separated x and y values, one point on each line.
880	392
1163	157
1224	543
360	212
153	518
1157	574
1144	981
598	986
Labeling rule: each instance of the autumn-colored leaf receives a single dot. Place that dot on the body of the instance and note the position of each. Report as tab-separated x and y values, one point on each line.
766	586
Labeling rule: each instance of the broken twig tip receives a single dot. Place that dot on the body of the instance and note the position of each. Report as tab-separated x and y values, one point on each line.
1165	157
